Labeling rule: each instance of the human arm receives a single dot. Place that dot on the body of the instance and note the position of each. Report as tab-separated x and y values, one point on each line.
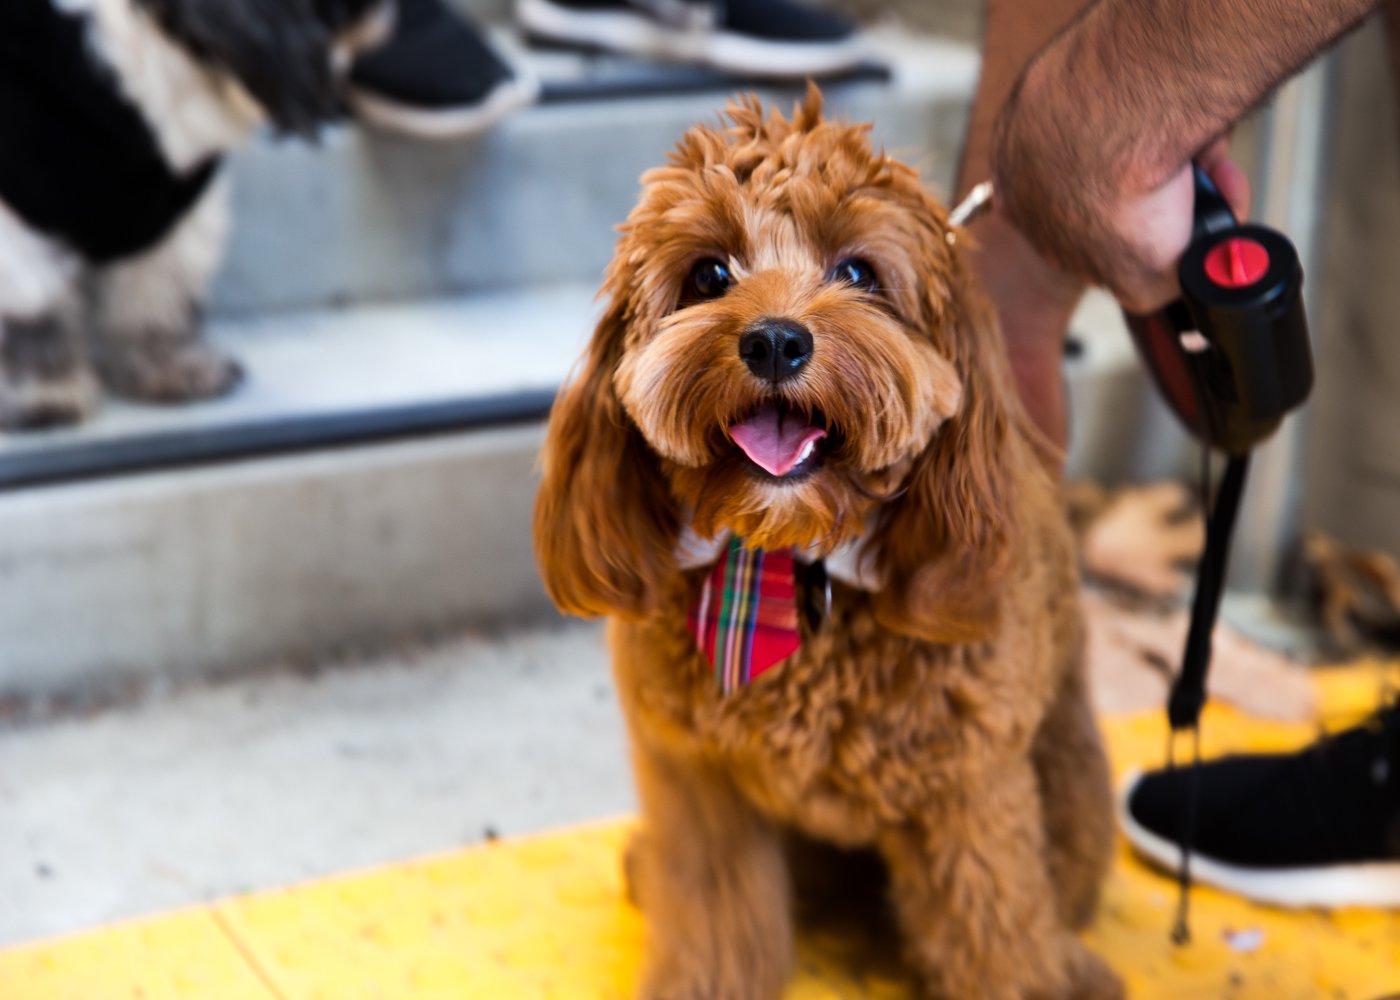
1034	297
1091	155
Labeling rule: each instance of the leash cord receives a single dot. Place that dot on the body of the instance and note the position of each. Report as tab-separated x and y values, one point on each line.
1188	693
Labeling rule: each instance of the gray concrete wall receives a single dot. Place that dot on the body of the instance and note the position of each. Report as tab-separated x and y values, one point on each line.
1352	480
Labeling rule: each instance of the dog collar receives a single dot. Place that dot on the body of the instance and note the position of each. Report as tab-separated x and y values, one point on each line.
844	563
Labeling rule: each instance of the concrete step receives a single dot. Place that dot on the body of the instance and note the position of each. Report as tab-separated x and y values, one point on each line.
367	216
373	479
196	793
225	567
382	487
338	376
1120	429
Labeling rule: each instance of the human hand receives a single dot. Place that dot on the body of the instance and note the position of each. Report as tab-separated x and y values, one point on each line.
1092	215
1146	234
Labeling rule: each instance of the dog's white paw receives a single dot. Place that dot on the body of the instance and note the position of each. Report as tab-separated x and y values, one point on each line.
161	370
34	404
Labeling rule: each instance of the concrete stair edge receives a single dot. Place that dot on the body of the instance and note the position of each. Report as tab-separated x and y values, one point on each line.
368	216
198	571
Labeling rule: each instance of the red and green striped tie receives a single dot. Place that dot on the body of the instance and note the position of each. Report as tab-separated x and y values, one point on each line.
745	620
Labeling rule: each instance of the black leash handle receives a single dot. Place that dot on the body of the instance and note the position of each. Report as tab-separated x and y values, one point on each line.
1231	356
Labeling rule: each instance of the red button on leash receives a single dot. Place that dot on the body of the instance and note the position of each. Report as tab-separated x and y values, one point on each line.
1237	263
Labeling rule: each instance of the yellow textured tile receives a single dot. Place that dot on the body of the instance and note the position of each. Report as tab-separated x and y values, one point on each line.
1355	690
538	918
546	919
184	956
1241	951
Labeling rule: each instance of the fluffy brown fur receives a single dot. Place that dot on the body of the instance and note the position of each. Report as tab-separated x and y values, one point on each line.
940	720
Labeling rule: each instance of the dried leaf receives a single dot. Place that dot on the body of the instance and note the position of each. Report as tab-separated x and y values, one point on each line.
1356	591
1143	538
1134	653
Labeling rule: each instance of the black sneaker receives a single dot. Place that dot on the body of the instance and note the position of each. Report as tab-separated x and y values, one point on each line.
770	38
1319	827
436	77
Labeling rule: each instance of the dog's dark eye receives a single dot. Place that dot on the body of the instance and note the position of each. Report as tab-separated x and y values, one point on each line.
857	273
708	279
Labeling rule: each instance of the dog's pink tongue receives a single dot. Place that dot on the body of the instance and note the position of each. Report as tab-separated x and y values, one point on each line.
775	441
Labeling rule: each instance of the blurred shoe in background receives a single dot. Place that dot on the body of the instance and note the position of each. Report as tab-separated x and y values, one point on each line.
436	77
771	38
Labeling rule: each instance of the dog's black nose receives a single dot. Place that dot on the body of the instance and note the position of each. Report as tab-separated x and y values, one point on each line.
776	349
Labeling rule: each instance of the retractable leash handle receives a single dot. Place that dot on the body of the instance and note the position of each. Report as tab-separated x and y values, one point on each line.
1231	357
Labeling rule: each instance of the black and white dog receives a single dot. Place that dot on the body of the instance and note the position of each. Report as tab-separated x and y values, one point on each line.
113	117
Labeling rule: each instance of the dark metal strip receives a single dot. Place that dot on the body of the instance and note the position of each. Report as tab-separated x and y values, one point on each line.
202	446
617	80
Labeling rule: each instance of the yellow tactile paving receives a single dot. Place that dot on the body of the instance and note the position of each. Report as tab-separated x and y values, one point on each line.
537	919
545	919
1240	951
533	919
180	956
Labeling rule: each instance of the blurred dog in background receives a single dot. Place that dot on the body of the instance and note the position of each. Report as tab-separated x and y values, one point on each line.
113	212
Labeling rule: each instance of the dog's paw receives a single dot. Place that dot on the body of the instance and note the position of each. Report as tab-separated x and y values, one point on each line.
34	404
670	986
741	970
1092	979
162	370
735	968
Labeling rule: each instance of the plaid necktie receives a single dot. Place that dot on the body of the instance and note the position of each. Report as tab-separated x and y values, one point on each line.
746	618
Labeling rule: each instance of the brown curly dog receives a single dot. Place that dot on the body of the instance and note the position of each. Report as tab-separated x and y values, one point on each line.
795	354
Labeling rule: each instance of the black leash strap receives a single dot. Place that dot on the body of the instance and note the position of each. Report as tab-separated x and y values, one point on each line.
1188	693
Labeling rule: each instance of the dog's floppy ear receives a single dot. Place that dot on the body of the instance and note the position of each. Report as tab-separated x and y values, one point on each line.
943	543
278	50
605	523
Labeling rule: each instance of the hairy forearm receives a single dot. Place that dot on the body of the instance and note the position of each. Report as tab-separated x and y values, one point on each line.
1131	91
1034	297
1158	79
1015	30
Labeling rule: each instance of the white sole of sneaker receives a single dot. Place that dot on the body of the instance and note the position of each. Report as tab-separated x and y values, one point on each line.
635	34
1375	884
450	123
